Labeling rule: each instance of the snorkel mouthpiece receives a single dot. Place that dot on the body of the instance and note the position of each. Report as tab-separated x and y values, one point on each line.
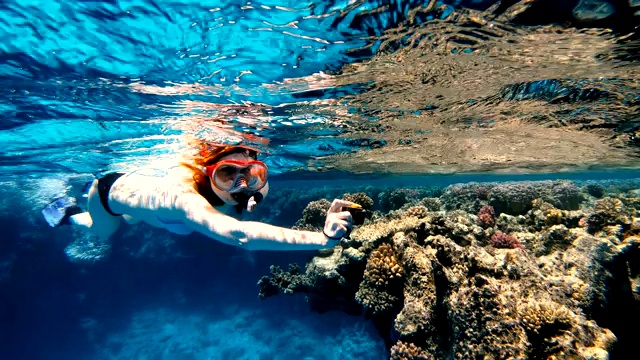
248	201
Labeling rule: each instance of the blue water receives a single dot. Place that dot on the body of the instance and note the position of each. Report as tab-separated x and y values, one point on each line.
92	86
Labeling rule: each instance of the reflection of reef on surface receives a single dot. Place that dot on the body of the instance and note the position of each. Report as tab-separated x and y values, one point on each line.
466	90
501	270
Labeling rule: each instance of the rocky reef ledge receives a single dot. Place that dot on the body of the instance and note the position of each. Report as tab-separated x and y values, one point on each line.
546	270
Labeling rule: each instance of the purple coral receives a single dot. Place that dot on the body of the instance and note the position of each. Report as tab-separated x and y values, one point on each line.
501	240
486	216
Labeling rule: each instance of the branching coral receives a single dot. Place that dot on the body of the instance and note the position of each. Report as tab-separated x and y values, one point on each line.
501	240
283	281
408	351
417	211
539	317
486	216
383	268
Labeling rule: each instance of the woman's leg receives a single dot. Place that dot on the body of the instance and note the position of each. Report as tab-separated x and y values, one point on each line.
103	224
82	219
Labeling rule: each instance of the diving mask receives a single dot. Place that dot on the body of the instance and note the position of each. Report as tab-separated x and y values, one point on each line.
237	176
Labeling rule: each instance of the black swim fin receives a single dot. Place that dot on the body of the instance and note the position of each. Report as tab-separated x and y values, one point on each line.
59	211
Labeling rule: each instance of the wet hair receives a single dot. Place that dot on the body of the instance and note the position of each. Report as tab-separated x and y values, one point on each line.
210	154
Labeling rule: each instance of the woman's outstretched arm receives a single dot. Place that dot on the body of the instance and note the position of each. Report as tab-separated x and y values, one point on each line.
251	235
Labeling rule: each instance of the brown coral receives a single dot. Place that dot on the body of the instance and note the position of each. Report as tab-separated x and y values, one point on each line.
383	268
361	199
407	351
607	211
431	203
379	288
537	315
313	216
417	211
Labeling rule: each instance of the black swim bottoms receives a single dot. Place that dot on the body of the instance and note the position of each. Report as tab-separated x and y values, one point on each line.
104	185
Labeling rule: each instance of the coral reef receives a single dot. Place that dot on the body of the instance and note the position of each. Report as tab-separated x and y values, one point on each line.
551	276
514	198
470	197
396	198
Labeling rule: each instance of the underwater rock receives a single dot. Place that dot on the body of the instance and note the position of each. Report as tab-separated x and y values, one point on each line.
437	286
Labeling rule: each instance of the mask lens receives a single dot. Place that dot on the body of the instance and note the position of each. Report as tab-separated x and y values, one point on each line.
226	176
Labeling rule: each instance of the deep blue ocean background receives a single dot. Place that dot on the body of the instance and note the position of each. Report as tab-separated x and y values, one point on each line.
92	86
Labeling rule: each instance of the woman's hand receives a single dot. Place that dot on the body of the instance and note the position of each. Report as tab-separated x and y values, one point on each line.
338	223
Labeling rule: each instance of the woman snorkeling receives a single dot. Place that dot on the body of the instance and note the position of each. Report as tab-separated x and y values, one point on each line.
205	196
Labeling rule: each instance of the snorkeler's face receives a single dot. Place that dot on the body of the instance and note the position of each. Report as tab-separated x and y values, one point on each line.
237	174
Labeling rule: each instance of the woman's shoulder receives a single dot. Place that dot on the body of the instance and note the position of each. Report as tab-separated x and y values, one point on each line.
176	176
157	171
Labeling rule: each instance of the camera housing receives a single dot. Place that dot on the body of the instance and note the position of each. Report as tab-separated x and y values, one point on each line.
358	214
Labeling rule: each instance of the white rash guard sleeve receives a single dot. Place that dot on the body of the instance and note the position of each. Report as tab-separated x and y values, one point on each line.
250	235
